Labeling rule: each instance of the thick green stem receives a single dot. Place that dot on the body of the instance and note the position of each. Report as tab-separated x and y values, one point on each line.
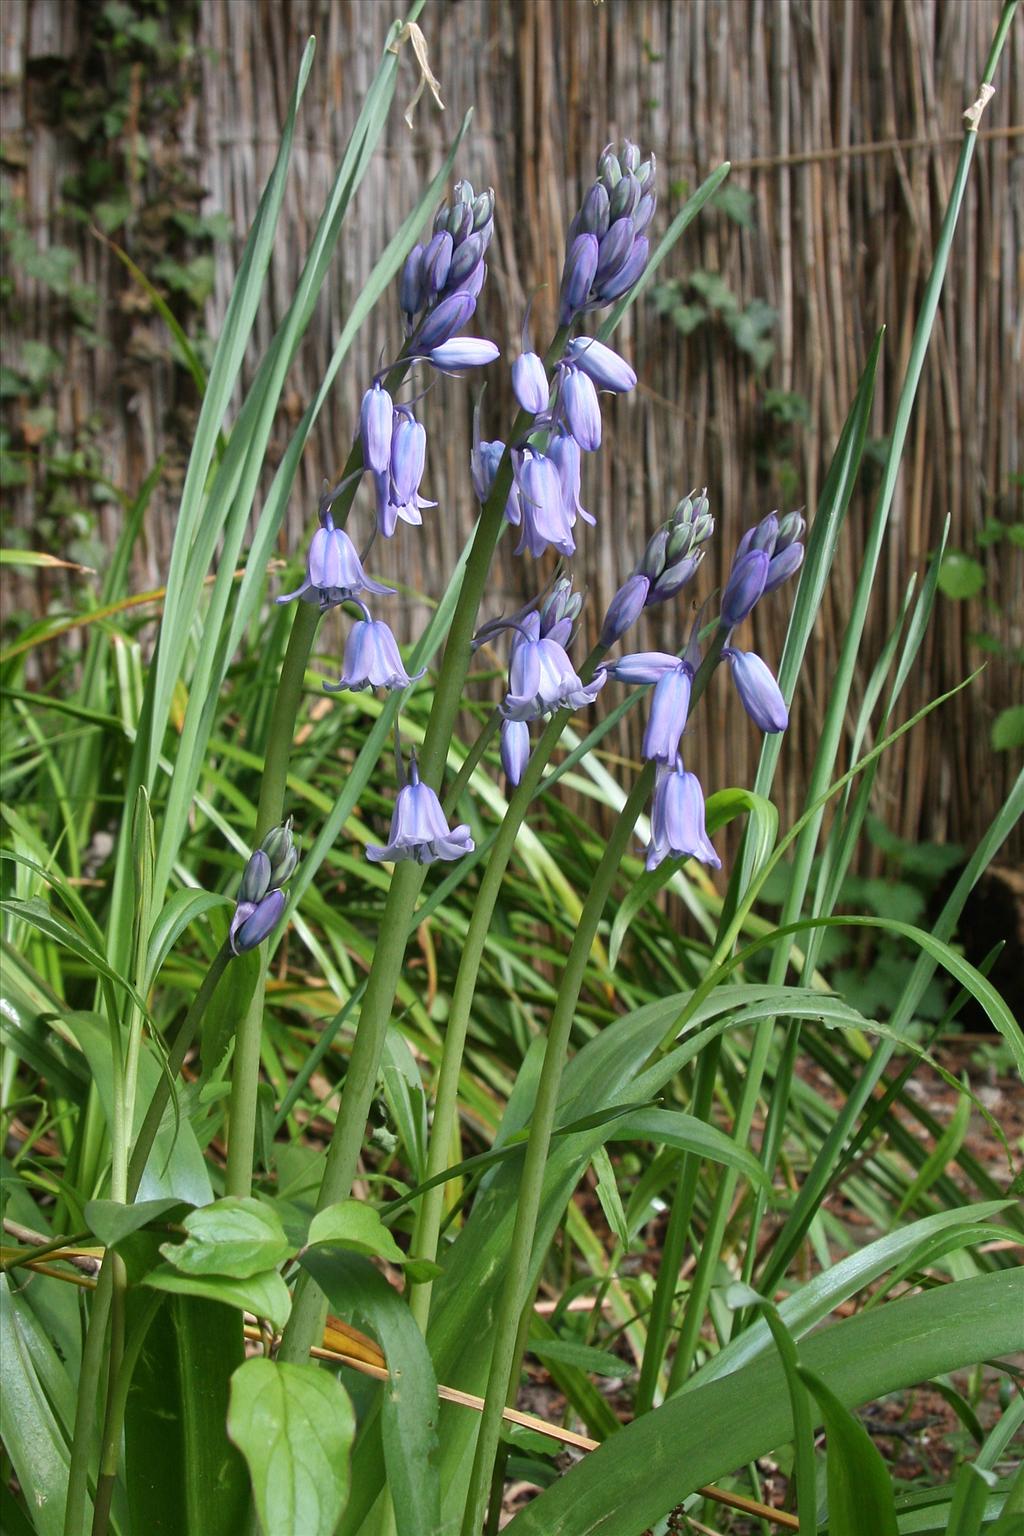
517	1272
111	1444
504	1360
88	1396
309	1307
428	1220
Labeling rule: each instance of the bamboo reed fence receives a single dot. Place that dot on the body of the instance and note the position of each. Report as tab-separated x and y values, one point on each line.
842	120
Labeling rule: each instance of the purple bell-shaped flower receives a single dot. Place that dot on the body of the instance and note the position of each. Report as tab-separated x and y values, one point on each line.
419	828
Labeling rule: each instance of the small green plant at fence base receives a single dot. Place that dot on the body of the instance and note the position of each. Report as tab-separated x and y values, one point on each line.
351	1076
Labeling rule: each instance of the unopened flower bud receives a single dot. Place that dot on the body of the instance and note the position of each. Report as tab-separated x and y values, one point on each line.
530	383
759	693
437	259
463	352
615	248
594	215
459	223
582	409
625	197
515	749
744	588
577	276
375	420
784	564
279	847
410	291
607	369
792	528
255	878
628	274
254	922
483	209
625	608
442	323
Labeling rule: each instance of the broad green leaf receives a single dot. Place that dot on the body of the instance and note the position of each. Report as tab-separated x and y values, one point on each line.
110	1221
408	1404
234	1237
31	1433
182	1473
294	1425
265	1294
353	1225
860	1496
861	1358
686	1133
596	1362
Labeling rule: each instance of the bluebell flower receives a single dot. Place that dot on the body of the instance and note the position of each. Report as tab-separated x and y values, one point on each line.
437	258
452	260
542	679
442	323
540	507
625	608
607	369
462	353
759	693
670	705
577	276
780	540
372	659
255	921
580	408
484	461
261	901
530	383
564	453
375	425
678	827
745	586
515	749
419	828
617	209
642	667
334	572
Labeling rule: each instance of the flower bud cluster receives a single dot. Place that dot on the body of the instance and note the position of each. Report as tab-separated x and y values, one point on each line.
767	555
606	248
673	554
451	262
261	901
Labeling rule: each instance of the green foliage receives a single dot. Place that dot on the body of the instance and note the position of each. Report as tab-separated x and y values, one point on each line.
294	1425
664	1089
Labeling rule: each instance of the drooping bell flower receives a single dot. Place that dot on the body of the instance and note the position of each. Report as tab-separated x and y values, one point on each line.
530	383
372	659
539	506
375	424
542	679
670	705
515	749
678	821
759	693
564	453
580	408
334	572
419	828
